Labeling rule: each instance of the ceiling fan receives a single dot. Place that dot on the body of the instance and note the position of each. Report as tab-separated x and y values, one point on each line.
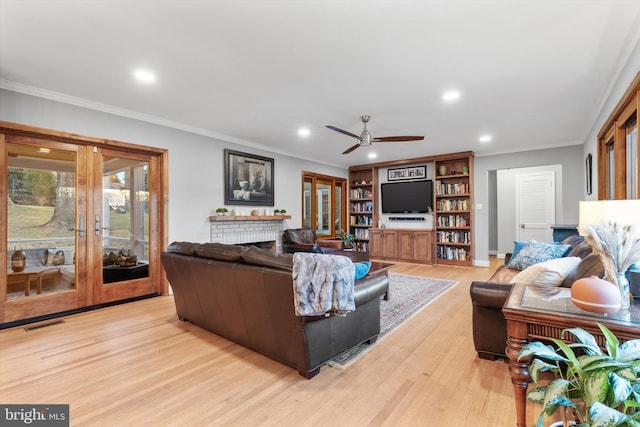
366	139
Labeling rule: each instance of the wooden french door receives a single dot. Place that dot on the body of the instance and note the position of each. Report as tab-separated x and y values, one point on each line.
119	235
84	222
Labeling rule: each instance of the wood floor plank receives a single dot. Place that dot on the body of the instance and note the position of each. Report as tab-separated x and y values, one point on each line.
136	364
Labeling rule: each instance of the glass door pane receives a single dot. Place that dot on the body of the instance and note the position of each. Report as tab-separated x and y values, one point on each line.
307	202
125	219
41	215
323	209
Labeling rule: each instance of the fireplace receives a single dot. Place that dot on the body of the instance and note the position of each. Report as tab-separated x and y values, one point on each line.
265	232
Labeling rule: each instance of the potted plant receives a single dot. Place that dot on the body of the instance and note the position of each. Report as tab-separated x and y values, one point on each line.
348	240
283	211
596	388
276	211
221	211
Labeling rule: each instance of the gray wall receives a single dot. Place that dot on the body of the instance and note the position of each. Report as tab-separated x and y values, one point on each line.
195	161
569	158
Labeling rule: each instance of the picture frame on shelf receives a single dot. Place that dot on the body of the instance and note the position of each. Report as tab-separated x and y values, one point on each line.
248	179
402	174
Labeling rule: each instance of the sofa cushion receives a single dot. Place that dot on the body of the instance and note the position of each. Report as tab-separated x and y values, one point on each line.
548	273
591	265
266	258
183	248
220	251
535	252
582	249
362	268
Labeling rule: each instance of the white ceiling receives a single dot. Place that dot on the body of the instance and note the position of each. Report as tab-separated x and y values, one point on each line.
531	73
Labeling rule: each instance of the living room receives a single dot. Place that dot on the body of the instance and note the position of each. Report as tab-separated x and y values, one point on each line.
196	159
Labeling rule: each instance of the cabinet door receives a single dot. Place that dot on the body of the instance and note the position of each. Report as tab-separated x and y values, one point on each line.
376	249
406	245
423	243
390	243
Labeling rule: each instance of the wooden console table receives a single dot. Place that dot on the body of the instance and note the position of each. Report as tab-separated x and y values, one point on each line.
539	313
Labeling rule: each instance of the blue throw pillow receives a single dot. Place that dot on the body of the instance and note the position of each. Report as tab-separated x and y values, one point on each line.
362	268
536	252
517	247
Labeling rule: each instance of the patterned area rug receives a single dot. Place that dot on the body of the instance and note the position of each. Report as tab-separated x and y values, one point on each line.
407	296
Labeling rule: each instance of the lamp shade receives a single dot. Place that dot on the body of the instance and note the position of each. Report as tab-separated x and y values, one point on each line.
622	212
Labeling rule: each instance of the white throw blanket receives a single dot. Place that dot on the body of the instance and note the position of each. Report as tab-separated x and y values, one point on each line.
322	284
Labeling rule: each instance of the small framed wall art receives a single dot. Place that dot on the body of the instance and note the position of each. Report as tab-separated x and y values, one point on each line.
413	172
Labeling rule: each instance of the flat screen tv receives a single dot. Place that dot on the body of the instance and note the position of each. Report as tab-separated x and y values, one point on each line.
407	197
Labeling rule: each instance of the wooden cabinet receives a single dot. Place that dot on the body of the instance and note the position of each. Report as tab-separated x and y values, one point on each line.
454	210
362	205
384	243
402	245
415	245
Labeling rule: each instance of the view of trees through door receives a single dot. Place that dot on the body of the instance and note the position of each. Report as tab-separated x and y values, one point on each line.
40	220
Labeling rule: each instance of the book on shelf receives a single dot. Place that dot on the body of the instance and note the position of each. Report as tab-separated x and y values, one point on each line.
446	188
452	253
452	221
453	205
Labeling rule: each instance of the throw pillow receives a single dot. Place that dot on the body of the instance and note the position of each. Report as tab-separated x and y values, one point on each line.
362	269
517	247
548	273
535	252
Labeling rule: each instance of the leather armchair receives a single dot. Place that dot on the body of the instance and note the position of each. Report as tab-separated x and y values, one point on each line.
306	240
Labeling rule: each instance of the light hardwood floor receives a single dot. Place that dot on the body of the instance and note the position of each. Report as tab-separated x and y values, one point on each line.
137	365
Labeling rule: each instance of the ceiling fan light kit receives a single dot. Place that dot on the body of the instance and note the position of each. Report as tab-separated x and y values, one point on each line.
366	139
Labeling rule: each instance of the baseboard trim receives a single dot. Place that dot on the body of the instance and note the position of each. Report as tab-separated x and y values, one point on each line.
21	322
478	263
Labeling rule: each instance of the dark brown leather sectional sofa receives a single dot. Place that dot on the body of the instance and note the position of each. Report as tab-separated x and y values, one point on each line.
487	298
246	295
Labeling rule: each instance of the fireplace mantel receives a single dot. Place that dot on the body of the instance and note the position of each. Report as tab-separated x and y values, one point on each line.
249	217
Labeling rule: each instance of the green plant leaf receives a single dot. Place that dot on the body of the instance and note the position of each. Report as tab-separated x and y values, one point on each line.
595	386
536	395
555	396
539	349
629	351
602	416
612	342
537	366
620	389
587	340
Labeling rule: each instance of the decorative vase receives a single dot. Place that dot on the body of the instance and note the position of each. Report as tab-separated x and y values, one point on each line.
623	287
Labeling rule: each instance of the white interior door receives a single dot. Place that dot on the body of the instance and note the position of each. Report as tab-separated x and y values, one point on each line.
535	206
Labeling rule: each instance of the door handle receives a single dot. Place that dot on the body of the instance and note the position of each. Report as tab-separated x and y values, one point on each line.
81	226
521	225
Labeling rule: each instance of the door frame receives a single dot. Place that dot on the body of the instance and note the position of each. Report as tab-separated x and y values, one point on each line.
519	197
158	201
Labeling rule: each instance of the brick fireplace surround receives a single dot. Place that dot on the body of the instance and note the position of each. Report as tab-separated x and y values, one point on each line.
247	229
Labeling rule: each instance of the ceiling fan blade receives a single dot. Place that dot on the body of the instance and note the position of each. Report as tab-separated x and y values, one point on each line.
344	132
350	149
397	138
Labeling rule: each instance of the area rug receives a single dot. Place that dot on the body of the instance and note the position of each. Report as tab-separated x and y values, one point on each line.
408	295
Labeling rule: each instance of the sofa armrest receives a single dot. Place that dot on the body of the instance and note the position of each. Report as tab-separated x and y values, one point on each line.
489	294
369	288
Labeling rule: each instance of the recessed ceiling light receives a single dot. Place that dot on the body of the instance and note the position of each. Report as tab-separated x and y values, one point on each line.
485	138
372	155
304	132
144	76
451	95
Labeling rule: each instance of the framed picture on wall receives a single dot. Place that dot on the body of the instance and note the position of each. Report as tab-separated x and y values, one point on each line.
248	179
414	172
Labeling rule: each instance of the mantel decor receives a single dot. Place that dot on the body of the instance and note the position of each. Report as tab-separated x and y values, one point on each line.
414	172
248	179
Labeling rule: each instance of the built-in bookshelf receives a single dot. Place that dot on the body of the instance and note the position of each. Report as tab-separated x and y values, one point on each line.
454	210
362	212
